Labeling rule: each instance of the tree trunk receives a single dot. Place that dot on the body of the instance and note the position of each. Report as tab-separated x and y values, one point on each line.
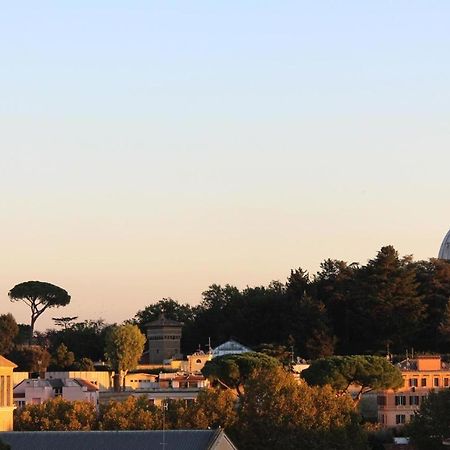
123	374
33	320
116	382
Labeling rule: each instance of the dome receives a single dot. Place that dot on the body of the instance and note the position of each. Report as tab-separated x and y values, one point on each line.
444	252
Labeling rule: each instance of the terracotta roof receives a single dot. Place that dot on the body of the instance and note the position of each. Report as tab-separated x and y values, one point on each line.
6	362
91	387
189	378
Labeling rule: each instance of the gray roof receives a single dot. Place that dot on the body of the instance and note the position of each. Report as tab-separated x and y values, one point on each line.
444	251
117	440
230	347
56	383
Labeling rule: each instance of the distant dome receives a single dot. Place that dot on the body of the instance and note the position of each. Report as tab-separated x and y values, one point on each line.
444	252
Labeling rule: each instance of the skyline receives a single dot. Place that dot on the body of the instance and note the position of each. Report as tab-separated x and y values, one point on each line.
19	310
151	150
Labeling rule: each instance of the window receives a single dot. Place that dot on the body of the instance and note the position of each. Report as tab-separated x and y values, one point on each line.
414	400
381	400
413	382
8	390
400	400
381	418
446	382
423	382
436	382
400	419
2	391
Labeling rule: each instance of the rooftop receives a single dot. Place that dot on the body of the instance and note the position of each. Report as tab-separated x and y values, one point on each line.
118	440
162	321
6	362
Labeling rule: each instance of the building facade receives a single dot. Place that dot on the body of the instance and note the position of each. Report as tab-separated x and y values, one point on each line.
101	379
420	376
36	391
6	394
164	340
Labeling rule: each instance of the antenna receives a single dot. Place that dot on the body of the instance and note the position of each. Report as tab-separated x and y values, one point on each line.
388	353
209	345
164	409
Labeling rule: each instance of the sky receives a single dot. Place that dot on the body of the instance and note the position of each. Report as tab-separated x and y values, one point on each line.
150	149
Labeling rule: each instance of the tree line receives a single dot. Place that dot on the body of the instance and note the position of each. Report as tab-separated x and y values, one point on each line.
391	302
273	411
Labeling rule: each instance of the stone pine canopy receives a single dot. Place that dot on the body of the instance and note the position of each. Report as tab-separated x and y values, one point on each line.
444	252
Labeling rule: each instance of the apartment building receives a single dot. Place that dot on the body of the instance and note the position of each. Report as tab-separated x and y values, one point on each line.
421	375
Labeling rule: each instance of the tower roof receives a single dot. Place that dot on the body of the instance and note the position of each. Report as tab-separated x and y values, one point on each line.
444	252
162	321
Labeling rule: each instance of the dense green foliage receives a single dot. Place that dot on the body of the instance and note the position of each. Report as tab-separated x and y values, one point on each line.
366	372
124	347
431	425
85	339
132	414
30	358
8	332
279	412
343	309
232	371
56	415
276	412
62	359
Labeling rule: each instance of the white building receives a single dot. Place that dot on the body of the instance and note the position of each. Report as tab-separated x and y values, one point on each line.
36	391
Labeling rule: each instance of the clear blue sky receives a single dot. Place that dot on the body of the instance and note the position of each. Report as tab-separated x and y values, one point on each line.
149	149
